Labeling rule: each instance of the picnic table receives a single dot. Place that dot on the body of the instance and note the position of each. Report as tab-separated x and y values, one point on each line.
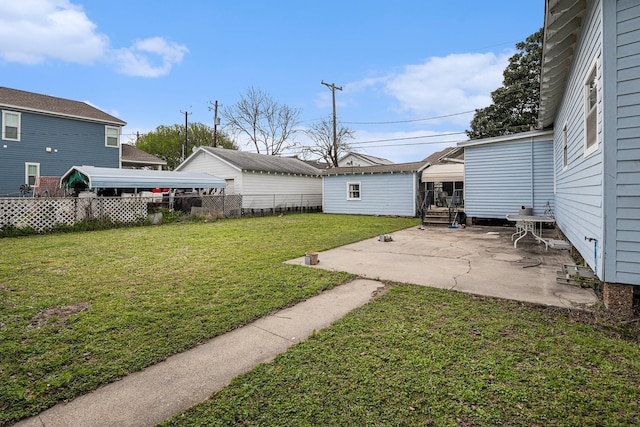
526	224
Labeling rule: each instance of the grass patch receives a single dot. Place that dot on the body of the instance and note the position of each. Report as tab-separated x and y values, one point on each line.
421	356
80	310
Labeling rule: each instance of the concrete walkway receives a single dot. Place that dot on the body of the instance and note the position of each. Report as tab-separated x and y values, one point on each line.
148	397
475	260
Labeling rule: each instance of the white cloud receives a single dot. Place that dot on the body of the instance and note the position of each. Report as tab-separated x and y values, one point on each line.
446	85
34	31
136	60
440	86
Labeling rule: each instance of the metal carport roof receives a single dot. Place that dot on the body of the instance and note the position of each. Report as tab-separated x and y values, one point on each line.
97	177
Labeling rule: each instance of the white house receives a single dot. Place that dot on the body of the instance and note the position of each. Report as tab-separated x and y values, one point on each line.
359	159
265	182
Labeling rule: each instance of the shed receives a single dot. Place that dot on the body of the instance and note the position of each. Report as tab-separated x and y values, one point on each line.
95	177
504	173
372	190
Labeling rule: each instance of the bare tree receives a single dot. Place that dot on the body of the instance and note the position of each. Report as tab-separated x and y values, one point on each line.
269	125
321	133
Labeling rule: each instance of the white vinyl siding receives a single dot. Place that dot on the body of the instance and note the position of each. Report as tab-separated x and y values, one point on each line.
11	126
112	136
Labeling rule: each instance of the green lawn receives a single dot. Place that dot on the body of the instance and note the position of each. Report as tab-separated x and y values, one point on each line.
420	356
83	309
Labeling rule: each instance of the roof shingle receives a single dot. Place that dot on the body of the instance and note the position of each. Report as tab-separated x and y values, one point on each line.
263	163
29	101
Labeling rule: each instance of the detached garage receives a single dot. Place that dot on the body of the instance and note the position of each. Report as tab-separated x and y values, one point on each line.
503	174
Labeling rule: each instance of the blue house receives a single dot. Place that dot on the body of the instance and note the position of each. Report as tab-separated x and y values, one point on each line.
372	190
590	96
44	136
505	173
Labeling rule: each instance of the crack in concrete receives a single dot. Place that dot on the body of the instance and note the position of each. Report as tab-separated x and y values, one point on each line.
274	334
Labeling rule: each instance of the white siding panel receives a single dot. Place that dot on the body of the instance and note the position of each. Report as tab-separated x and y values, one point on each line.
269	191
204	162
381	194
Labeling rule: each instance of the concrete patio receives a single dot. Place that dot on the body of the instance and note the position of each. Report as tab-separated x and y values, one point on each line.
476	260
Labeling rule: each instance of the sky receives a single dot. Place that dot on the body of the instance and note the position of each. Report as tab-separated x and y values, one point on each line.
412	72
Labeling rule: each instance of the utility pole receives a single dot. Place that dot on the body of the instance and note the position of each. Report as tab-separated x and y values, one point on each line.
333	88
216	122
186	134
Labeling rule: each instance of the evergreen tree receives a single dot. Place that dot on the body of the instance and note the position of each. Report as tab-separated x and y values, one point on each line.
515	104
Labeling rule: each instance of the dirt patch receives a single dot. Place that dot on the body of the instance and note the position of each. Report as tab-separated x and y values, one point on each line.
57	315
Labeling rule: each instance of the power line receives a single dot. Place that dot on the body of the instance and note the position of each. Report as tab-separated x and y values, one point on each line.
407	138
411	121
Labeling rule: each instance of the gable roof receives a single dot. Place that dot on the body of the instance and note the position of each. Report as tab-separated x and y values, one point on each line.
253	162
368	158
443	155
131	154
45	104
562	23
362	170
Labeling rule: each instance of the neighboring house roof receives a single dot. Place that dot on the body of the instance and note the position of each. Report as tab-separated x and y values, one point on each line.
447	154
131	154
253	162
45	104
95	177
367	158
562	23
362	170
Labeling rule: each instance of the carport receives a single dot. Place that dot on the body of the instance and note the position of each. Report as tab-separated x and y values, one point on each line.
92	178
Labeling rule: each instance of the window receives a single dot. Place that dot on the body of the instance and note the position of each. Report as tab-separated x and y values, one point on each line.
353	191
565	155
591	112
11	126
112	135
32	173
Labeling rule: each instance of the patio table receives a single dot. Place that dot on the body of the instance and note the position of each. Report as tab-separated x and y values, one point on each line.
526	224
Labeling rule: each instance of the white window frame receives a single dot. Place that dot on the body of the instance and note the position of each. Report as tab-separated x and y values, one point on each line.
26	174
5	113
350	191
565	149
591	111
107	136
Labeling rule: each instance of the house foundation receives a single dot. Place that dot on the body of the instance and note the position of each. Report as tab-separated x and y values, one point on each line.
618	299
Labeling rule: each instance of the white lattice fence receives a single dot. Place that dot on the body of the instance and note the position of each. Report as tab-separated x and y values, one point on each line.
44	213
